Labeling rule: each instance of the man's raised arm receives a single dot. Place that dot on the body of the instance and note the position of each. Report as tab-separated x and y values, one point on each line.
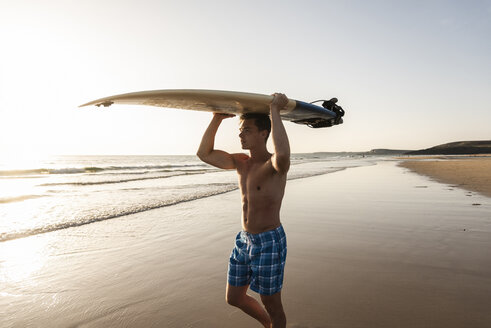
206	151
281	156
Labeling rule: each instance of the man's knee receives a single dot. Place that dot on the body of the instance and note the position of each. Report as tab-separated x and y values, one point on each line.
234	300
272	304
235	295
274	309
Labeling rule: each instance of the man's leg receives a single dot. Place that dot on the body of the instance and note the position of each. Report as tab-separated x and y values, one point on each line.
237	296
275	309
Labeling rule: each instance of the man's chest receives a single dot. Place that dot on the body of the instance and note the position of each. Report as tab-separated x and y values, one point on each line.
255	177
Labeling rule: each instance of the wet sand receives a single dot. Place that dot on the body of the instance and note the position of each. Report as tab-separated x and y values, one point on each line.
374	246
472	173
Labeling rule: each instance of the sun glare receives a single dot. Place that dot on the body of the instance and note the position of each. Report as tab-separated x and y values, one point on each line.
16	160
21	258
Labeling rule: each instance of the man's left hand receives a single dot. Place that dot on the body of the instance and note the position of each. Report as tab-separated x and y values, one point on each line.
279	101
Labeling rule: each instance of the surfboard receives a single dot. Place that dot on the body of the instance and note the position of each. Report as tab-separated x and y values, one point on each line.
230	102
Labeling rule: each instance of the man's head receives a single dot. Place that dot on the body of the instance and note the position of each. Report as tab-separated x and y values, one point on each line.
254	128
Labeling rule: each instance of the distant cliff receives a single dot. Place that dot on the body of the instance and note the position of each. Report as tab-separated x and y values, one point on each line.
457	148
387	152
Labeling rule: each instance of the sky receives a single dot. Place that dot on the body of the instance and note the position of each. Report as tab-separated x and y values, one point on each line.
409	74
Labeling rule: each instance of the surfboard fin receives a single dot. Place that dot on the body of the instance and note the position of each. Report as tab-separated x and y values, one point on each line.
318	122
331	105
322	122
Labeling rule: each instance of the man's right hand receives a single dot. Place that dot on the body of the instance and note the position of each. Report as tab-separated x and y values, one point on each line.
222	116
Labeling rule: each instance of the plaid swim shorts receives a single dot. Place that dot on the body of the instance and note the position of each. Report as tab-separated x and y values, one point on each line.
258	260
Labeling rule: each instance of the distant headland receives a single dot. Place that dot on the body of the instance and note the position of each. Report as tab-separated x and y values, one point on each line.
451	148
456	148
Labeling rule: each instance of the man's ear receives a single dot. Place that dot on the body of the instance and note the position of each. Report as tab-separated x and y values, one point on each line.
264	133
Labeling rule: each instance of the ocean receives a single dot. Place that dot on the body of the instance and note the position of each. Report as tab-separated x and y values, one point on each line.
61	192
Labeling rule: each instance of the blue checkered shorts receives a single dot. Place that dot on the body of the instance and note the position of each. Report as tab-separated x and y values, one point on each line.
258	260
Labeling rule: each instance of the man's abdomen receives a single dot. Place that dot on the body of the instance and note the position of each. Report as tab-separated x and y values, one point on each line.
257	220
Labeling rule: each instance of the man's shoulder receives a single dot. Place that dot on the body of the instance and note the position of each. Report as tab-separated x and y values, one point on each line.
240	157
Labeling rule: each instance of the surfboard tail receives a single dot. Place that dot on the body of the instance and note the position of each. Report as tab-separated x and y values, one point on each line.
328	115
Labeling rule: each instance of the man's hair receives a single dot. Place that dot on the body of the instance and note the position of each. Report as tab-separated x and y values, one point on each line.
262	121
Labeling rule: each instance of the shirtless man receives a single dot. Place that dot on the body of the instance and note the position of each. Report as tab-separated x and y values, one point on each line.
258	258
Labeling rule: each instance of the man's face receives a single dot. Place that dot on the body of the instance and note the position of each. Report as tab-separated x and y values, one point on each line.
249	134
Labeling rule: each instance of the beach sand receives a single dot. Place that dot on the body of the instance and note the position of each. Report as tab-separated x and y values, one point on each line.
373	246
472	173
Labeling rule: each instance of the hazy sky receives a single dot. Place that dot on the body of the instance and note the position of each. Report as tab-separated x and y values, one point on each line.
410	74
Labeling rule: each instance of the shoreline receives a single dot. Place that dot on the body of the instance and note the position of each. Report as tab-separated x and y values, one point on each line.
472	173
454	156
